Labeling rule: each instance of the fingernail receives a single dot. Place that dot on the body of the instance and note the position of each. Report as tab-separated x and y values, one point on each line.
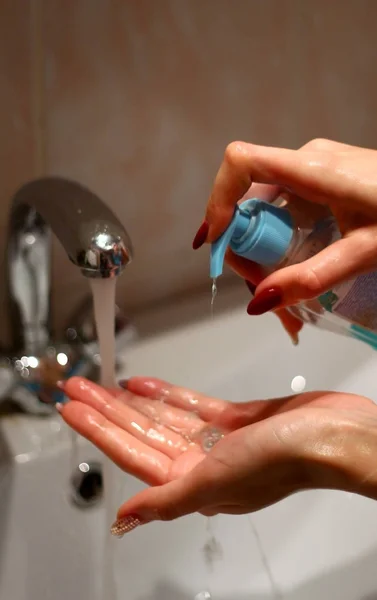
265	301
59	406
125	525
60	385
123	383
201	235
251	286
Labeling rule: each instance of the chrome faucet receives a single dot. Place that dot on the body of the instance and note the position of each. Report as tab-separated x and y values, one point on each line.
96	243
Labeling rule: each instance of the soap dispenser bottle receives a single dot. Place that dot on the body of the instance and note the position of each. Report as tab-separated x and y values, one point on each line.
276	237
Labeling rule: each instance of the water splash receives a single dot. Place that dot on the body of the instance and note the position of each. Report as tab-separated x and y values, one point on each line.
203	596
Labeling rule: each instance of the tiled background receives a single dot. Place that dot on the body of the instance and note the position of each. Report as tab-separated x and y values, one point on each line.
137	100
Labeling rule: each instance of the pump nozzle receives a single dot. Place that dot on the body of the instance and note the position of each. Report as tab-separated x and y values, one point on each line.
219	247
258	231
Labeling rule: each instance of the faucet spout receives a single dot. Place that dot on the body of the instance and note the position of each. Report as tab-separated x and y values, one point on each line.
92	236
90	233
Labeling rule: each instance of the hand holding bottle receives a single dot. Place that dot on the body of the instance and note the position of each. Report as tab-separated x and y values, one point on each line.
322	175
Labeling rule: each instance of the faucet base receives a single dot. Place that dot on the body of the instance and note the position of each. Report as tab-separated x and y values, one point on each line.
30	381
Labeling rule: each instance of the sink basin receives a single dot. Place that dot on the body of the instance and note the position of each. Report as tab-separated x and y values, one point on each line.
312	545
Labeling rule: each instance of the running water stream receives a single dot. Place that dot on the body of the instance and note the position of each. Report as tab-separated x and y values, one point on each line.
103	291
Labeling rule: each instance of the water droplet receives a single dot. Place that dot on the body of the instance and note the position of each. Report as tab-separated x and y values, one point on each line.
213	295
209	437
298	384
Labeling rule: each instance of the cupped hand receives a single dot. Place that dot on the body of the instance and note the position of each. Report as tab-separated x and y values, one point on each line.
202	454
321	174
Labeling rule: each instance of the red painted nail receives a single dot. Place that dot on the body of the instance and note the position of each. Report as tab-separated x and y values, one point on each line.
201	235
265	301
251	286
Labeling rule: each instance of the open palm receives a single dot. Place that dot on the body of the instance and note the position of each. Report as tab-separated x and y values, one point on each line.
264	450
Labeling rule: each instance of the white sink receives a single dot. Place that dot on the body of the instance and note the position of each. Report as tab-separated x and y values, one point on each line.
313	545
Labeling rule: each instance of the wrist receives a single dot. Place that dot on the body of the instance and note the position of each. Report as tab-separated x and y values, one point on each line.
361	457
352	464
340	452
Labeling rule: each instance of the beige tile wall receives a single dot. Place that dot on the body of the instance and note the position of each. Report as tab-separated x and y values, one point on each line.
17	130
137	100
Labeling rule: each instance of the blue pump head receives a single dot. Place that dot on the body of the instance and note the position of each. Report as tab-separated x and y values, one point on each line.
259	231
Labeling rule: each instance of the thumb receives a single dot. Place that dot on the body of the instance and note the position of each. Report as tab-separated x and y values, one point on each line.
343	260
166	502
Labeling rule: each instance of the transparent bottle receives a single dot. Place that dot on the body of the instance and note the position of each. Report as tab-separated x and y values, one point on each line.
275	238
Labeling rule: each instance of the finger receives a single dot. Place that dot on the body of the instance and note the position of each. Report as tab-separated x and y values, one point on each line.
339	262
244	268
115	391
127	452
180	497
233	415
291	324
325	145
253	273
269	193
187	423
152	433
153	504
308	174
180	409
207	409
227	415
